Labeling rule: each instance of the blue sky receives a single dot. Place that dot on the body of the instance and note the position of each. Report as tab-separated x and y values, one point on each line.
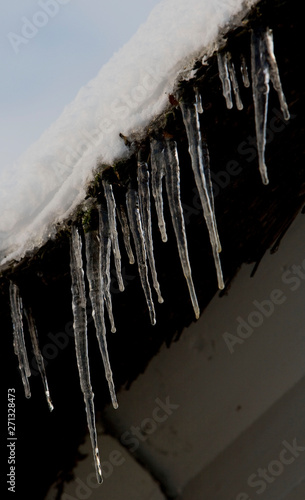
46	58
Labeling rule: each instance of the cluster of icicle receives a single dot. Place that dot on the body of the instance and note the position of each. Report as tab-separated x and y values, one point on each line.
135	221
263	69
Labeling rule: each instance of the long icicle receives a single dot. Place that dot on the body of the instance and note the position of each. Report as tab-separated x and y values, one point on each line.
225	78
132	202
122	216
274	73
19	343
172	182
81	343
111	208
145	211
105	240
260	89
95	280
192	125
157	174
38	356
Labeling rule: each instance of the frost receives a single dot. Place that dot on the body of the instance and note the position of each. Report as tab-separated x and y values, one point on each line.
81	343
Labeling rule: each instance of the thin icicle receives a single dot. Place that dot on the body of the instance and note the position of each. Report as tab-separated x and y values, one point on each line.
111	208
198	100
19	343
122	216
234	81
95	280
274	73
132	202
244	71
38	356
202	179
225	78
81	343
260	90
172	182
105	240
157	174
145	211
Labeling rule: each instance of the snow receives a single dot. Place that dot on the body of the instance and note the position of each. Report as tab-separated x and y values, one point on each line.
45	185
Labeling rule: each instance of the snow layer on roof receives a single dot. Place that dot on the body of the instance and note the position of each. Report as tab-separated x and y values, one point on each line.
49	180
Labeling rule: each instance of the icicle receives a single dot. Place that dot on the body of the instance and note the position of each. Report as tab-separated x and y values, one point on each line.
132	202
234	82
203	181
105	261
111	208
95	280
157	174
19	343
244	71
38	356
260	89
145	211
125	231
225	78
81	344
198	100
274	73
172	182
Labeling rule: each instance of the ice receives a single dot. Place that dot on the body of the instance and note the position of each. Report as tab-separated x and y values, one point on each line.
105	241
145	211
263	69
172	182
244	71
198	100
19	343
111	208
260	89
234	81
203	182
122	216
135	223
81	343
37	353
157	174
95	280
46	184
274	73
224	76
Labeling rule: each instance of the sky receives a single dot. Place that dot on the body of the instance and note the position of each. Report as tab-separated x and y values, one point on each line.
49	49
